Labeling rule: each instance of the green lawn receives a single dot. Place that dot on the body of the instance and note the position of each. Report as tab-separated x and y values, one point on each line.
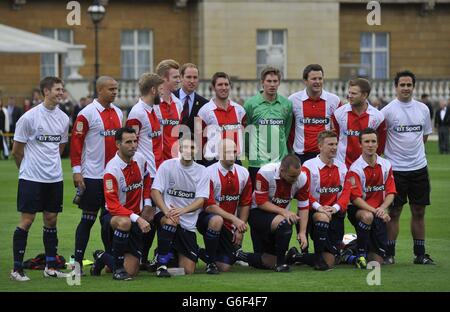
403	276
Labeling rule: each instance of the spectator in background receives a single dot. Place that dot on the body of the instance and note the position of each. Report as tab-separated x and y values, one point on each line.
442	124
26	105
375	102
66	106
14	114
78	107
424	98
4	128
35	97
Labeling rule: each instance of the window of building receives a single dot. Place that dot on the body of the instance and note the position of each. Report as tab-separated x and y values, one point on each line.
271	50
136	53
53	63
374	48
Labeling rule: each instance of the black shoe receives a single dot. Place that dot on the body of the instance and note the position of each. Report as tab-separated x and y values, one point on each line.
98	265
283	268
388	260
291	255
121	275
423	259
148	266
211	268
161	271
241	256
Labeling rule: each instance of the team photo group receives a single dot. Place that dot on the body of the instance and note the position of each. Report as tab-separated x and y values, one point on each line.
178	166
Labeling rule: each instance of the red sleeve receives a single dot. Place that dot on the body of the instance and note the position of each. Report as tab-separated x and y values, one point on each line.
244	121
291	138
335	126
344	199
79	131
211	200
302	195
355	185
134	122
381	133
246	196
390	183
110	188
147	184
261	190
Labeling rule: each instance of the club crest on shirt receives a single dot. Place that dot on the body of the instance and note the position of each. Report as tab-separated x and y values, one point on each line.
258	185
373	124
171	182
109	185
79	127
352	181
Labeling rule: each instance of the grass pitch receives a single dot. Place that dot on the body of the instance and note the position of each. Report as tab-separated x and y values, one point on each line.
403	276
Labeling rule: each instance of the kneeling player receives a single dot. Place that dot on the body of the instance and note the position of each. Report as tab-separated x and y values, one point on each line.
372	192
224	221
127	190
329	196
179	190
270	218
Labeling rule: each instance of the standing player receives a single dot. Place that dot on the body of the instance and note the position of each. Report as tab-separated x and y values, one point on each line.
170	108
372	192
271	116
40	137
143	120
329	196
224	221
270	218
127	193
408	126
92	147
312	108
179	191
222	118
350	119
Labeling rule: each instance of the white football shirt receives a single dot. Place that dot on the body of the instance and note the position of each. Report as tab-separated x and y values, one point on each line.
406	123
42	130
180	186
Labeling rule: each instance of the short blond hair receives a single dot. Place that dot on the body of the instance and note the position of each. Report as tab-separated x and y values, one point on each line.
163	68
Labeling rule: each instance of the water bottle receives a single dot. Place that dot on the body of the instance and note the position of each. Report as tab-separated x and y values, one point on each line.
77	198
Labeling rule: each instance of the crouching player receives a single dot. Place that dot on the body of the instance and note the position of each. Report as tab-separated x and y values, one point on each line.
224	221
329	196
270	218
126	184
179	191
372	192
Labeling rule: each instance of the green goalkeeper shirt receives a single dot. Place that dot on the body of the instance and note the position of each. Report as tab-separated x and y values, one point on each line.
268	127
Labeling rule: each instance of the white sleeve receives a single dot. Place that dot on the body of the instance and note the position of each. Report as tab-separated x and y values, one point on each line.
202	189
65	135
22	132
427	127
159	183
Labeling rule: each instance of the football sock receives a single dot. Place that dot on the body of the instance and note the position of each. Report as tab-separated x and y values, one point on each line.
255	260
19	244
50	239
166	233
419	247
320	236
306	258
120	243
283	235
211	239
391	247
82	236
362	237
107	259
106	232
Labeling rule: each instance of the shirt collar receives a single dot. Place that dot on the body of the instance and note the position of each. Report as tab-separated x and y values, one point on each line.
146	106
122	164
184	94
277	171
223	170
365	164
321	163
262	99
304	95
99	106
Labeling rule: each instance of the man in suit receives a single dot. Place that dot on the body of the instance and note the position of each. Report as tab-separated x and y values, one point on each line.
442	123
192	101
14	114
